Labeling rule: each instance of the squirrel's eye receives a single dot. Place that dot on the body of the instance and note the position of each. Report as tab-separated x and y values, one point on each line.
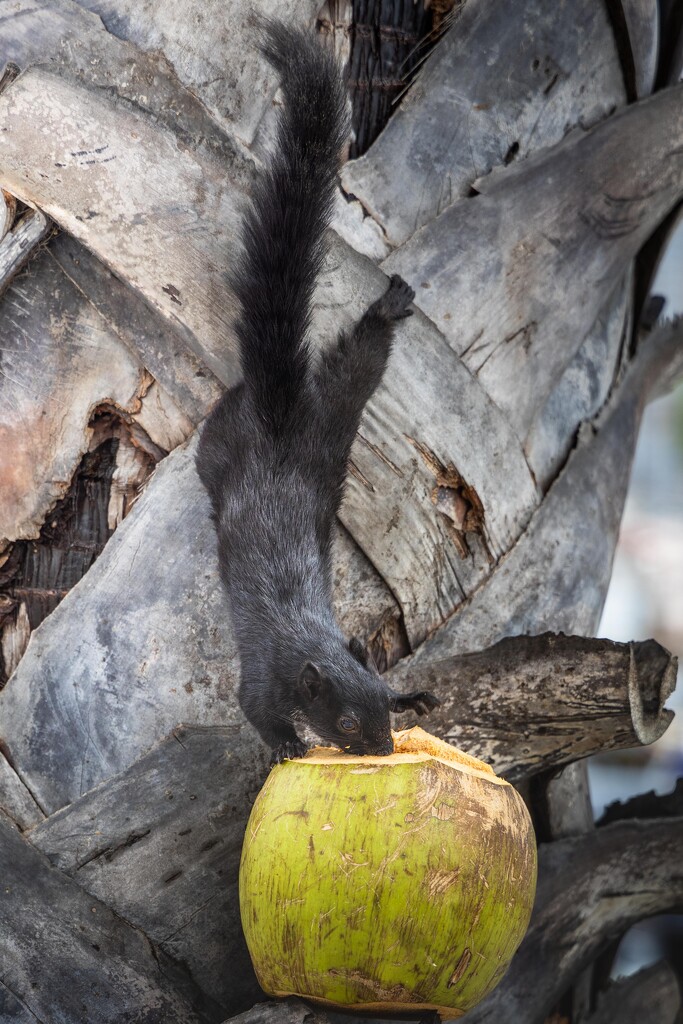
347	724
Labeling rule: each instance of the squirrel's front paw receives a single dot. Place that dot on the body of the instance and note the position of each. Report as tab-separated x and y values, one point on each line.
421	702
289	751
395	301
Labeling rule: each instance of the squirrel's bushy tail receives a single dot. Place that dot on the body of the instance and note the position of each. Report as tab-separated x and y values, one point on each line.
283	231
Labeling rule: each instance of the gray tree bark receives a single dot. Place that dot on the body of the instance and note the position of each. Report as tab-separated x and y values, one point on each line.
525	185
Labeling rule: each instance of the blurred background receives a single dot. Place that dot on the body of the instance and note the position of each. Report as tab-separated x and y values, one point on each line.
645	599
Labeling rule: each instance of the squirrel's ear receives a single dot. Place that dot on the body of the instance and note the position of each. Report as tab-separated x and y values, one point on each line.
311	681
357	648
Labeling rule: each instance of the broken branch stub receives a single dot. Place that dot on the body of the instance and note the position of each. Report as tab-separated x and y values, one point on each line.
646	805
529	704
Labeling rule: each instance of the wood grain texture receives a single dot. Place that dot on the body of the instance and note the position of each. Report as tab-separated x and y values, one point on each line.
8	209
20	244
545	243
60	361
176	260
66	38
530	704
148	647
161	844
583	388
495	89
66	957
218	59
642	23
161	347
157	212
431	448
556	576
651	994
15	799
590	889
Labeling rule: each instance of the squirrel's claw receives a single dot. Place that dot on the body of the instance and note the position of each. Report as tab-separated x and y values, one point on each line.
394	303
421	702
289	751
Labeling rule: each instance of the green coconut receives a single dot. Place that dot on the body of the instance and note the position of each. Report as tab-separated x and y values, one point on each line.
386	884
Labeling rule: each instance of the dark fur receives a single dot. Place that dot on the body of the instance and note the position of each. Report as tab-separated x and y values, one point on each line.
273	453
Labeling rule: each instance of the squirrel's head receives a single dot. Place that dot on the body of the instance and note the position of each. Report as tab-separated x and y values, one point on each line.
346	702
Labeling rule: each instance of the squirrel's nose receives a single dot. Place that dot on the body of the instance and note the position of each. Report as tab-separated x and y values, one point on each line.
383	748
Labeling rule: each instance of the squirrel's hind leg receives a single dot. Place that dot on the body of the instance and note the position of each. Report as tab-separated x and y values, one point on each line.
350	372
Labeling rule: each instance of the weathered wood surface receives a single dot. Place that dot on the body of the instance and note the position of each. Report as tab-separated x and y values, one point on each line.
15	799
130	653
98	688
8	209
532	242
161	347
285	1011
61	35
142	643
62	364
131	219
427	581
66	957
60	361
563	805
438	485
19	244
643	29
495	89
556	576
217	60
160	844
36	574
63	688
170	866
591	889
158	212
530	704
583	387
651	994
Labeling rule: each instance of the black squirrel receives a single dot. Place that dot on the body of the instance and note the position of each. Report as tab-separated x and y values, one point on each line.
273	453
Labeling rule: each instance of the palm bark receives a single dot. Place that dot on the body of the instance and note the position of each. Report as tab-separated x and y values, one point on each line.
525	185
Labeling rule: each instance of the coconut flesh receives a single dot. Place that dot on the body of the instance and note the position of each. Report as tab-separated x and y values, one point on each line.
386	884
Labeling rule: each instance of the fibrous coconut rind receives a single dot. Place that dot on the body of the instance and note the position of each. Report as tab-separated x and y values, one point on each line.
386	883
